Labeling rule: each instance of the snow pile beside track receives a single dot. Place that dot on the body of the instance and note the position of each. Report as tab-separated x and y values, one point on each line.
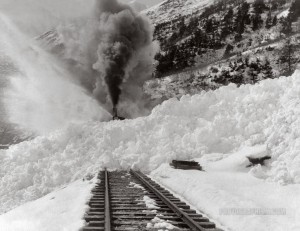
61	210
218	121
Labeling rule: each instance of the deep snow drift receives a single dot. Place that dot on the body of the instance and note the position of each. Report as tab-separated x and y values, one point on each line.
221	121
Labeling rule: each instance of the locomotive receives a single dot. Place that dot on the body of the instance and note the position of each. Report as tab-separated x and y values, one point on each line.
115	114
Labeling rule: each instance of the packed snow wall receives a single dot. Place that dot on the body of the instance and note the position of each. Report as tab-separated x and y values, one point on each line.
221	121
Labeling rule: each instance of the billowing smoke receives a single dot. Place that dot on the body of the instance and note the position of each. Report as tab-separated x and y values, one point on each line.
112	53
122	35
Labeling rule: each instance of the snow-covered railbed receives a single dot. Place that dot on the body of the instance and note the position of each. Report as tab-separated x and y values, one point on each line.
236	200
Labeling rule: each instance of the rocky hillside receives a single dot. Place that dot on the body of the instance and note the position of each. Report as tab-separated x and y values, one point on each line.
170	10
210	44
191	34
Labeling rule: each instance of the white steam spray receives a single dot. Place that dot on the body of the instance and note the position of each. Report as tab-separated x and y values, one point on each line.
40	96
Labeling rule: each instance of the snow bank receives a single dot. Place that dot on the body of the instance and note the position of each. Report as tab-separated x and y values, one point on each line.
60	210
237	201
221	121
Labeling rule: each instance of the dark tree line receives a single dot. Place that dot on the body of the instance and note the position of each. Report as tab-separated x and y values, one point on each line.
197	35
242	71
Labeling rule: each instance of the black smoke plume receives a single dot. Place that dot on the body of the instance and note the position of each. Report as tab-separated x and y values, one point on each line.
121	37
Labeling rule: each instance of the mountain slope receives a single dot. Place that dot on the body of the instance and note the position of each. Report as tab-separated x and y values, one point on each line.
223	42
173	9
138	6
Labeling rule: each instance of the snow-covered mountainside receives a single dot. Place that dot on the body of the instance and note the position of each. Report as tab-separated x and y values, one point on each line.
237	35
138	6
35	17
172	9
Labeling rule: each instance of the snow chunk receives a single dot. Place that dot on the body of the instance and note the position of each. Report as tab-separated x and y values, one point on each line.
160	224
150	203
134	185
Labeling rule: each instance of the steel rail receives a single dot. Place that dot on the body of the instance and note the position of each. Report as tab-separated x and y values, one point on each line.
107	204
184	216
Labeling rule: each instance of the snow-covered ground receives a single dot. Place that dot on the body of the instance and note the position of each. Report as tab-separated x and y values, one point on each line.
227	125
233	198
61	210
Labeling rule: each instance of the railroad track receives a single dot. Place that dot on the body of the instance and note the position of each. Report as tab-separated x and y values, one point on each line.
132	201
